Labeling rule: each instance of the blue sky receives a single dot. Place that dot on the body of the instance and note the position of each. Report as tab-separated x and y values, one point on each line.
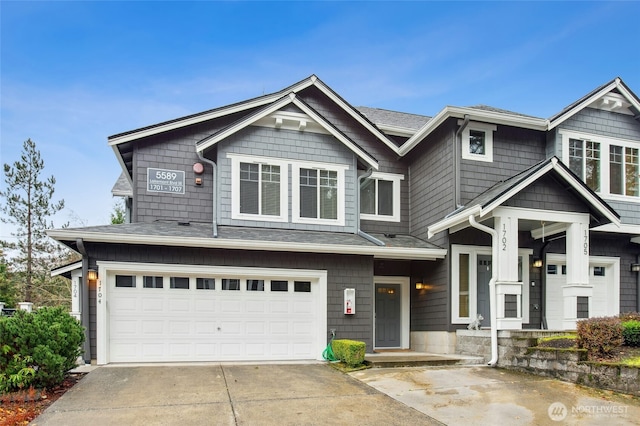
74	73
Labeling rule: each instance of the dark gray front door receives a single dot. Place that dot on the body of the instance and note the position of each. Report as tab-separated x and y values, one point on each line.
388	315
484	276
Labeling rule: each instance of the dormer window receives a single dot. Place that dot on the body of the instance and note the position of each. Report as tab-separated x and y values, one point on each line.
477	141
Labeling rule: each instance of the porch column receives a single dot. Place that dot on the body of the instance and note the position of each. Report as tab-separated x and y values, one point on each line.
508	288
577	272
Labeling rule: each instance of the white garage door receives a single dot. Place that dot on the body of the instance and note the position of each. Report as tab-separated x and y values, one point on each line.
603	276
218	317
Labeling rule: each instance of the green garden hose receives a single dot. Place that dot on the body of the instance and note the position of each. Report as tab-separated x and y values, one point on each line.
328	351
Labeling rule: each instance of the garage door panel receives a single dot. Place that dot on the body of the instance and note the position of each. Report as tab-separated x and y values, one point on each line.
152	327
179	306
165	324
276	307
153	304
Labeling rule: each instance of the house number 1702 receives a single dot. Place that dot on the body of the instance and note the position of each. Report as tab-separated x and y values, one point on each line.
504	237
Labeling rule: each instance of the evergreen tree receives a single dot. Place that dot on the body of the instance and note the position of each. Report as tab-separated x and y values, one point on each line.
27	204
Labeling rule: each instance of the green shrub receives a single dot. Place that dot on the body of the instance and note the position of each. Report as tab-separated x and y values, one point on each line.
631	333
351	352
600	336
37	349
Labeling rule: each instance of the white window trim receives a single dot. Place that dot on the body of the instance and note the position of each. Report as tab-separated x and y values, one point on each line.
473	252
236	159
295	192
605	143
488	130
395	179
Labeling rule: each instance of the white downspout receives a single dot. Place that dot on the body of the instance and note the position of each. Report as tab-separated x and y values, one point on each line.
214	173
492	288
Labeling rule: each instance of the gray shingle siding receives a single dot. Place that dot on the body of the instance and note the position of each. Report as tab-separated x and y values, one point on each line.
177	153
514	150
342	272
431	183
605	123
546	194
288	145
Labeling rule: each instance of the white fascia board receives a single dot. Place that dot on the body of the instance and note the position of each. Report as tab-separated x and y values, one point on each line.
243	106
624	228
290	99
122	193
353	113
636	240
212	140
396	130
418	136
68	268
122	165
571	112
346	141
514	190
383	252
630	98
594	201
454	220
474	115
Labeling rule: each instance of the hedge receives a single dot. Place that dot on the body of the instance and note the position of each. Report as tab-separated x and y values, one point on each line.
600	336
631	333
351	352
38	348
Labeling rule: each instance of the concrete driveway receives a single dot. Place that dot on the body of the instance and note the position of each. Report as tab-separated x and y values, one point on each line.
489	396
298	394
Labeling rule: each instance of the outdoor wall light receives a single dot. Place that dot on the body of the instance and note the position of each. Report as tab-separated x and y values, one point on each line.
537	263
420	286
92	275
635	267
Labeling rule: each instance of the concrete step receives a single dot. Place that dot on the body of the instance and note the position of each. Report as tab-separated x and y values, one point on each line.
419	359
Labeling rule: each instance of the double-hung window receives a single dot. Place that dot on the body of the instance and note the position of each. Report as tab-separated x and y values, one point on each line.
318	193
610	167
380	197
259	188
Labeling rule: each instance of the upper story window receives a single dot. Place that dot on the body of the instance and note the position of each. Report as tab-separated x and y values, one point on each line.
380	197
477	141
259	188
318	193
608	166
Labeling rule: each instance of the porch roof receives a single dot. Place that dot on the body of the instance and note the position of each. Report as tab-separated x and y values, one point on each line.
170	233
495	196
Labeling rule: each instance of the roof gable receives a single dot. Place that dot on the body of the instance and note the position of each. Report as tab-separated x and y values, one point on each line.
498	195
613	96
290	99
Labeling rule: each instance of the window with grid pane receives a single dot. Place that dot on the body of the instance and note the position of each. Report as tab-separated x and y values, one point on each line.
260	189
318	193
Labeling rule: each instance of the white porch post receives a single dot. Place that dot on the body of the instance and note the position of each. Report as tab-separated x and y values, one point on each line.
577	271
507	284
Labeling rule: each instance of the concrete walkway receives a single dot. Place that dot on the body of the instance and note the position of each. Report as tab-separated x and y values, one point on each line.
299	394
489	396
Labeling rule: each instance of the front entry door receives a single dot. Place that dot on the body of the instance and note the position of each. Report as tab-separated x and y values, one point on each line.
484	276
388	318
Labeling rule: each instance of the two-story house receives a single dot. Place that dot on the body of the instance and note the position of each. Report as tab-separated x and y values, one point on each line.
260	228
